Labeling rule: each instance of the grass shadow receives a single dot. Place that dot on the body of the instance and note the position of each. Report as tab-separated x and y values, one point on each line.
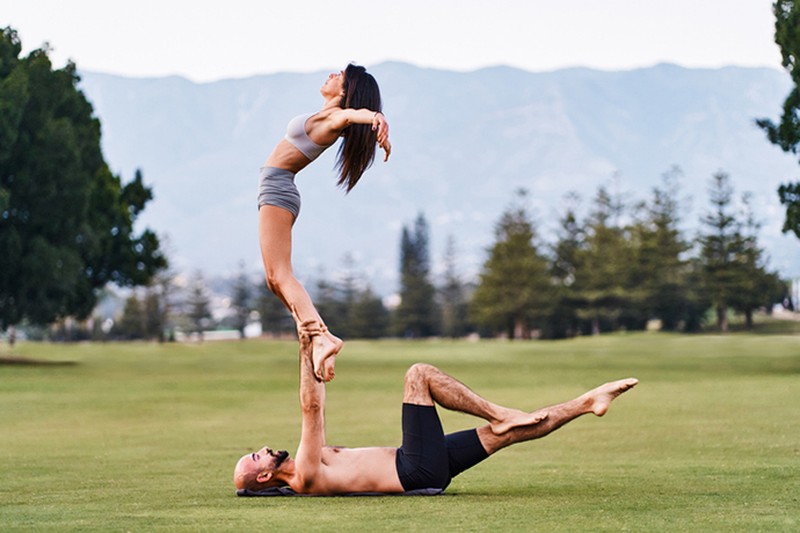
26	361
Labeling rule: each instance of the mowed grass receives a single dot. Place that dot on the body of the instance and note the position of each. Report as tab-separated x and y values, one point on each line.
143	437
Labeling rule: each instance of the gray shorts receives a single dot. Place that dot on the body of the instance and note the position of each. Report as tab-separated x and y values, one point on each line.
276	187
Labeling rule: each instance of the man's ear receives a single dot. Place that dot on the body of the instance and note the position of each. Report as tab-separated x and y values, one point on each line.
263	477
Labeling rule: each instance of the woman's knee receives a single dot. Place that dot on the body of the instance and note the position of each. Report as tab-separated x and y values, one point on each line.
278	278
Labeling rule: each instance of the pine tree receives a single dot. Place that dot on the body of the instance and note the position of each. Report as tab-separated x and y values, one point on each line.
567	253
415	317
241	300
719	247
198	305
606	280
453	303
514	294
661	257
275	319
755	285
369	318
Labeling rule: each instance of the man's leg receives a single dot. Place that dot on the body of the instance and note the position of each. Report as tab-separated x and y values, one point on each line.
595	401
426	385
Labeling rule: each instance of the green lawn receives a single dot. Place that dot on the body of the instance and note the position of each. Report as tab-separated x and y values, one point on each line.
141	437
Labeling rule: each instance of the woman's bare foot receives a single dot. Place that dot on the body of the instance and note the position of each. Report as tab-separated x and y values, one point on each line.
325	346
515	418
600	399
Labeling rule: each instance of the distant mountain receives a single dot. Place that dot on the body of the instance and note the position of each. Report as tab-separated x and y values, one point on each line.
463	143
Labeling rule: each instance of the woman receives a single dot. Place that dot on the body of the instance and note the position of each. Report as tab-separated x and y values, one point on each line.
351	110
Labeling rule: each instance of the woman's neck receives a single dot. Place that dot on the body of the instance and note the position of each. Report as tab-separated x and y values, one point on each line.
331	103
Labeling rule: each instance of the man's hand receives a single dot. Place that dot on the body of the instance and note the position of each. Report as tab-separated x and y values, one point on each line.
306	330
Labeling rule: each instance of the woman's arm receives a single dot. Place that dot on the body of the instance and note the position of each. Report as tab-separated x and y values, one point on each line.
340	119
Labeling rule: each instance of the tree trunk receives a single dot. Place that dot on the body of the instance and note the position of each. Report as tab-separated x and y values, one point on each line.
748	319
722	318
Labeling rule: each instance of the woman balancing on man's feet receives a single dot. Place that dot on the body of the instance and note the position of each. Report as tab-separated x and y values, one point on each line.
352	111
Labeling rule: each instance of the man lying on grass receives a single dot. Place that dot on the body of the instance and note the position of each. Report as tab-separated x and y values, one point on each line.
428	458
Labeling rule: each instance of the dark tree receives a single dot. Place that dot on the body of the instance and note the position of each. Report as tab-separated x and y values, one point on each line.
369	318
275	319
416	315
567	257
755	285
719	246
66	222
606	287
515	293
241	300
132	322
452	295
198	305
663	266
786	133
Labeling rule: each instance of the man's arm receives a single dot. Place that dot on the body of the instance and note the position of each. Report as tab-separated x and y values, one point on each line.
312	405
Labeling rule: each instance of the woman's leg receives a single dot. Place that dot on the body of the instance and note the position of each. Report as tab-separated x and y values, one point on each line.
275	234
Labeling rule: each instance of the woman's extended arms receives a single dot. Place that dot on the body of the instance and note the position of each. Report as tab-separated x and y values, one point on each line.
340	119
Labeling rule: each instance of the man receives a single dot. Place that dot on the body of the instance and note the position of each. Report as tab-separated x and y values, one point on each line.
428	458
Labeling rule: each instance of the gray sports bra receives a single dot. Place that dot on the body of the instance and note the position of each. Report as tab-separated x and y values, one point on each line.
297	137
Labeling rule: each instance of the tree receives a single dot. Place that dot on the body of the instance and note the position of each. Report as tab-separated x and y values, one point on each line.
132	322
564	268
352	308
66	222
514	293
755	286
662	248
241	300
198	305
786	134
719	247
275	319
331	306
607	294
162	291
453	303
369	318
415	316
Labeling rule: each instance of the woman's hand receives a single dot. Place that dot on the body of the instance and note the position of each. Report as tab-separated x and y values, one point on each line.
380	125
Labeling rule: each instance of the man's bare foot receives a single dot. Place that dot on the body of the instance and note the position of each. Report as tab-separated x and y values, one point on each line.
600	398
324	349
516	418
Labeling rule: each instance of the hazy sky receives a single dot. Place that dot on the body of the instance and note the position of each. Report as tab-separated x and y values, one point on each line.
205	40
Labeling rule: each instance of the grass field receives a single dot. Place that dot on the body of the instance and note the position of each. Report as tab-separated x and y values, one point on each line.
142	437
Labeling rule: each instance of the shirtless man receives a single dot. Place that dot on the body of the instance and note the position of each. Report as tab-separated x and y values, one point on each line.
428	458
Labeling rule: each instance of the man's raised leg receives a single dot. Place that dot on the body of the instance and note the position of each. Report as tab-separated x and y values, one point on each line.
596	401
426	385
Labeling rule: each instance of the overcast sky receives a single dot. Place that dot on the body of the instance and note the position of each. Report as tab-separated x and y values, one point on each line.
206	41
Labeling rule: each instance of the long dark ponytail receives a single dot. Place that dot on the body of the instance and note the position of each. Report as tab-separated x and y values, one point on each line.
357	151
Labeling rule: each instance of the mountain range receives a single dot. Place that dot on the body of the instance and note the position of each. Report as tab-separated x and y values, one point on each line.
463	143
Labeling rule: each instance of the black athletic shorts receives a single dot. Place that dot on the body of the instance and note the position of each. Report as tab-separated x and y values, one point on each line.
428	458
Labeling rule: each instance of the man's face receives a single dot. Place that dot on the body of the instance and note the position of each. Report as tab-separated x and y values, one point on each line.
251	466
